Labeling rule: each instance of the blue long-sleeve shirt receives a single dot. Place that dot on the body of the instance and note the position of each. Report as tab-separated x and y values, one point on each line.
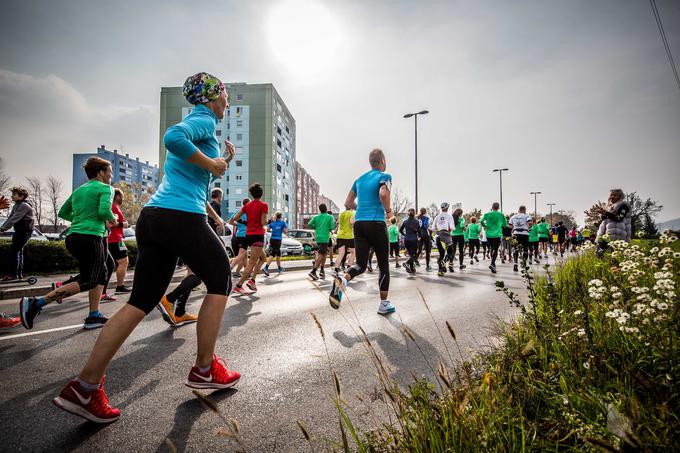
185	186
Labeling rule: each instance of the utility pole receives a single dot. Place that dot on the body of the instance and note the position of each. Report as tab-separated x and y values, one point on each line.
500	174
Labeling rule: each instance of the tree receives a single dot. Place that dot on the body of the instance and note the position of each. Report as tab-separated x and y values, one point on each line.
640	209
35	193
474	213
593	216
53	189
565	216
433	210
400	202
649	228
134	199
4	179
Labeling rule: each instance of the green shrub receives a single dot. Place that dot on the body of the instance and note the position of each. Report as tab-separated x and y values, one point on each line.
42	257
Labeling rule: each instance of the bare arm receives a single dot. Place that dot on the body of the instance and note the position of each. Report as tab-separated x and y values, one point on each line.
385	200
351	200
235	218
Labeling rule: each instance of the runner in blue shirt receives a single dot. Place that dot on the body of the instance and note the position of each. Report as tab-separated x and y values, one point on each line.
238	243
370	196
425	242
278	227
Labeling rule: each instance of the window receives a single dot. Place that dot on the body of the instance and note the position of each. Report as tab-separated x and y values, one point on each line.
278	143
239	163
239	177
238	111
238	191
239	97
286	197
278	168
287	130
239	137
217	185
238	203
278	130
227	191
239	123
218	132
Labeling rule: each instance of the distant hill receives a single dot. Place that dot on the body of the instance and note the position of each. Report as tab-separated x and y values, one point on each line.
669	225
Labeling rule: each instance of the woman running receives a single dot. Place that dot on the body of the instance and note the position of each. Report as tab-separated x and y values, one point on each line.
172	224
473	230
345	239
410	228
238	243
393	233
458	237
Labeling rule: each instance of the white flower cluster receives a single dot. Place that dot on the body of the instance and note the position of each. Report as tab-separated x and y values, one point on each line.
667	237
596	289
619	315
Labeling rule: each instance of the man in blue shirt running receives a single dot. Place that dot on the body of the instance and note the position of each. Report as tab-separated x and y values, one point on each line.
277	228
372	190
425	240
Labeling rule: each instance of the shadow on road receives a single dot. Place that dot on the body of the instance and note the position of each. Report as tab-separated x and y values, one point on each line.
12	359
186	415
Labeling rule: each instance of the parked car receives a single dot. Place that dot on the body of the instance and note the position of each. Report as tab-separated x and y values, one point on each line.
36	236
226	239
306	237
289	246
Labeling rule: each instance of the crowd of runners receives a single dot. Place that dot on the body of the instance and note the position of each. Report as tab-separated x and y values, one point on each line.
181	208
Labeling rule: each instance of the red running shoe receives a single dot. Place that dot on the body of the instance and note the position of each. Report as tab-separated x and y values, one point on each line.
238	290
92	405
8	322
251	285
218	377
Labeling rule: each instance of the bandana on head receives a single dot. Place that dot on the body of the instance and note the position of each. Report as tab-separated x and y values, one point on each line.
201	88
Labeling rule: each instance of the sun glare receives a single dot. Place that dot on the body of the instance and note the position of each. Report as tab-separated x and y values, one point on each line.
304	37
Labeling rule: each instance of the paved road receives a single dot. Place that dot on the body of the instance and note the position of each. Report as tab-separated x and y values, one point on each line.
269	337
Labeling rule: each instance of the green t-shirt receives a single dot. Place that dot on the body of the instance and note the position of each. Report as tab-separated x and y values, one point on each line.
393	232
473	230
459	229
543	230
323	224
88	208
344	225
533	233
493	222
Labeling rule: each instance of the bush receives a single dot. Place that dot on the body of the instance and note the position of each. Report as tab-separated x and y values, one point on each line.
593	363
43	257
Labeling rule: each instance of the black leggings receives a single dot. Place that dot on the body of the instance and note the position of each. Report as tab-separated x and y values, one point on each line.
180	295
163	235
494	244
16	253
425	243
412	249
111	265
458	240
474	247
373	235
92	253
523	243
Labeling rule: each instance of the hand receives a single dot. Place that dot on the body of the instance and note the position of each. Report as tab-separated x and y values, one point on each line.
219	222
219	166
231	151
4	202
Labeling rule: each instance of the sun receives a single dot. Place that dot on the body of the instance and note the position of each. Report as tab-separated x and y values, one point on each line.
305	38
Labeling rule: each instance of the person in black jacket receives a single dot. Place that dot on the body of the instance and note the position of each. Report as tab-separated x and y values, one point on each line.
21	218
410	228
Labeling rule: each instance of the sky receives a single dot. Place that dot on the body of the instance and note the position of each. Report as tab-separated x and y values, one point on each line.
573	97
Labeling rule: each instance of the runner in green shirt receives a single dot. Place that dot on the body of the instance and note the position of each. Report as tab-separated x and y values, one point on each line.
458	237
493	223
533	241
473	231
543	236
393	236
323	224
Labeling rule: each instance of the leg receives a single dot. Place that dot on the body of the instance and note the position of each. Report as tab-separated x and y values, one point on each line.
121	271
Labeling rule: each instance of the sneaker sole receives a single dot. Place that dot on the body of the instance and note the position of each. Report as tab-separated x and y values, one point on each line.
99	325
164	312
335	301
74	409
386	312
184	323
22	312
210	385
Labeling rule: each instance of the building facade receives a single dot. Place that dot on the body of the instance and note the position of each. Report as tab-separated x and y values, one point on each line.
308	196
262	130
126	169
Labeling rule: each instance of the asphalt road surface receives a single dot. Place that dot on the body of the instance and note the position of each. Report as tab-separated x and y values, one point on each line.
270	338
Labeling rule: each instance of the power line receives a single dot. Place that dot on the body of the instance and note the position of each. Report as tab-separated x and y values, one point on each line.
655	10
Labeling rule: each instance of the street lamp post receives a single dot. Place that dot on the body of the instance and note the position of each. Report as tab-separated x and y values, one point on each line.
535	194
551	216
415	116
500	174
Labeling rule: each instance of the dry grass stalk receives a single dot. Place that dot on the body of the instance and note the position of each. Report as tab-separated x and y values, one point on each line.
337	384
225	433
318	324
453	334
171	445
235	425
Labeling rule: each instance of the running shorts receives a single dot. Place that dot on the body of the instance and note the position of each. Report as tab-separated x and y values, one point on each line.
254	240
394	248
323	248
163	235
347	243
544	239
118	250
91	253
275	247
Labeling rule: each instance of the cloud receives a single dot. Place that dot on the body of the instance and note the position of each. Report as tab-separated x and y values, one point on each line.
43	120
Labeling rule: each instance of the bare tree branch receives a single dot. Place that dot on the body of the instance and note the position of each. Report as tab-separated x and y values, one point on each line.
35	191
54	187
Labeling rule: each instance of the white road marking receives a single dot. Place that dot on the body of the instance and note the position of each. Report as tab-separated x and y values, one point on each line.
38	332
